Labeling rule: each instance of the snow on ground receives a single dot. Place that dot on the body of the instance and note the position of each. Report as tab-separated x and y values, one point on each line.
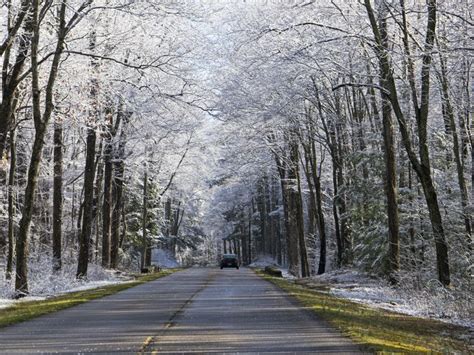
263	261
163	259
436	303
367	289
43	283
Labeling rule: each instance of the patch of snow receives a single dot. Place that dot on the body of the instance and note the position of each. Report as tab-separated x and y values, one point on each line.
285	273
440	304
44	283
163	259
263	261
4	302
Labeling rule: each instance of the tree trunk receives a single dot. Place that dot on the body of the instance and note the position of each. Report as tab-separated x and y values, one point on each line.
87	210
250	238
119	170
107	201
289	205
321	228
390	172
305	271
330	133
21	282
11	205
57	195
144	220
261	247
99	177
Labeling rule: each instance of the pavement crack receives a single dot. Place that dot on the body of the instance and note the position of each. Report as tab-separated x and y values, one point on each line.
149	341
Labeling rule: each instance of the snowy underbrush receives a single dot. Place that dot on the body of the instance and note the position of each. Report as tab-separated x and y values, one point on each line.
262	261
44	283
431	301
163	259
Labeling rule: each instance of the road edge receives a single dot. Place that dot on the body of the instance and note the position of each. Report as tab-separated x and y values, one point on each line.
27	310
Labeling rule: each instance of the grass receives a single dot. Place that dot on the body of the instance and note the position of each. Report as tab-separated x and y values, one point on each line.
379	330
26	310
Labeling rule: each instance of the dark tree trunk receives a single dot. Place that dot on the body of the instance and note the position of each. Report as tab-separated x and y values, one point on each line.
21	282
57	195
305	271
314	185
89	170
321	225
250	238
329	129
99	177
11	205
144	220
291	229
339	239
390	172
87	209
107	202
261	248
119	170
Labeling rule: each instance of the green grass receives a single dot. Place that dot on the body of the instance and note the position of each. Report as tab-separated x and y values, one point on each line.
26	310
376	329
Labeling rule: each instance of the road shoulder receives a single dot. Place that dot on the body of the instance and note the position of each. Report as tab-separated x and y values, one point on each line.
377	329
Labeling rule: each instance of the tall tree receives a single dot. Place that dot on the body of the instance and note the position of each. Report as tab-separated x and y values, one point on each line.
41	120
421	164
57	194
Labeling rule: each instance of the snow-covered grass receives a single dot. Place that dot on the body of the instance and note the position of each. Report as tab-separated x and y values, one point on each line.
44	283
432	301
436	302
163	259
377	329
262	261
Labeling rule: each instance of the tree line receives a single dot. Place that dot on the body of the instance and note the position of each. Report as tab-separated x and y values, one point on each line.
88	133
365	111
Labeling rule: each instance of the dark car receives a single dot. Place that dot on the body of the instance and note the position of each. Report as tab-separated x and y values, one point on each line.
230	260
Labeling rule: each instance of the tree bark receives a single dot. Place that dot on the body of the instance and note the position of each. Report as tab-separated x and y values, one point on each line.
87	209
391	189
57	194
107	201
144	220
119	171
11	205
290	219
305	271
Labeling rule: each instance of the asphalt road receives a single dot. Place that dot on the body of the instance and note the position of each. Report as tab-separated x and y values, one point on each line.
199	310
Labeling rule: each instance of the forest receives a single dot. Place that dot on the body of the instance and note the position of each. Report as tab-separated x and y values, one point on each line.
321	135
